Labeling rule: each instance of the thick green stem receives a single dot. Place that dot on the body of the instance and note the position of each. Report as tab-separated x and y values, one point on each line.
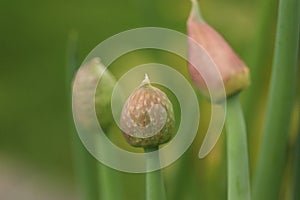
237	152
272	157
155	189
84	163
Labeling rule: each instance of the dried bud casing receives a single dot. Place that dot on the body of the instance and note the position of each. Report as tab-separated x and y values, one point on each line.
147	118
233	71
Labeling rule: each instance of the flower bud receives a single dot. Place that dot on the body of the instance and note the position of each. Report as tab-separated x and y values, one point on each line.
147	118
233	71
88	76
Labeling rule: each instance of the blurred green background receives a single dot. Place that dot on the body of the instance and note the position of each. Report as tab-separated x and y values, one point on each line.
35	153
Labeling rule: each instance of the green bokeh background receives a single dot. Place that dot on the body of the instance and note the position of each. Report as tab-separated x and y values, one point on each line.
33	106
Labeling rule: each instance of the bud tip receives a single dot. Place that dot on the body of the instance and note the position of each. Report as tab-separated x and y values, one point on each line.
196	11
146	80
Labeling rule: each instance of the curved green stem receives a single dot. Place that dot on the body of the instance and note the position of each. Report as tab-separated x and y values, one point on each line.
155	189
237	152
272	157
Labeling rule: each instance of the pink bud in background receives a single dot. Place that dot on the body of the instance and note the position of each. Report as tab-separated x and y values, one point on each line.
233	71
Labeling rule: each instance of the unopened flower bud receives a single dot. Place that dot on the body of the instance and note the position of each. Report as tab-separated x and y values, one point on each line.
147	118
87	77
233	71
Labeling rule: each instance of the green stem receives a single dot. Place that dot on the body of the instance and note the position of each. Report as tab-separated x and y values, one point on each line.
109	178
84	163
178	183
296	177
237	152
110	183
260	52
259	62
272	158
155	189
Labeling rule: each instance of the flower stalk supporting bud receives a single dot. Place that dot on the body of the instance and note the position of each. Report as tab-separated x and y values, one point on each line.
235	77
87	76
147	120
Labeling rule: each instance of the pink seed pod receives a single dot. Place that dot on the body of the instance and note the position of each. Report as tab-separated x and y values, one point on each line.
147	118
233	71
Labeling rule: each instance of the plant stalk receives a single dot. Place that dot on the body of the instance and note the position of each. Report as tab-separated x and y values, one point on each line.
155	189
84	164
110	181
259	62
296	177
272	157
237	152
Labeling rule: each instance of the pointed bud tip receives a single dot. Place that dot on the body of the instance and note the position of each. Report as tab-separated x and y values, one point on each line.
195	11
146	80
